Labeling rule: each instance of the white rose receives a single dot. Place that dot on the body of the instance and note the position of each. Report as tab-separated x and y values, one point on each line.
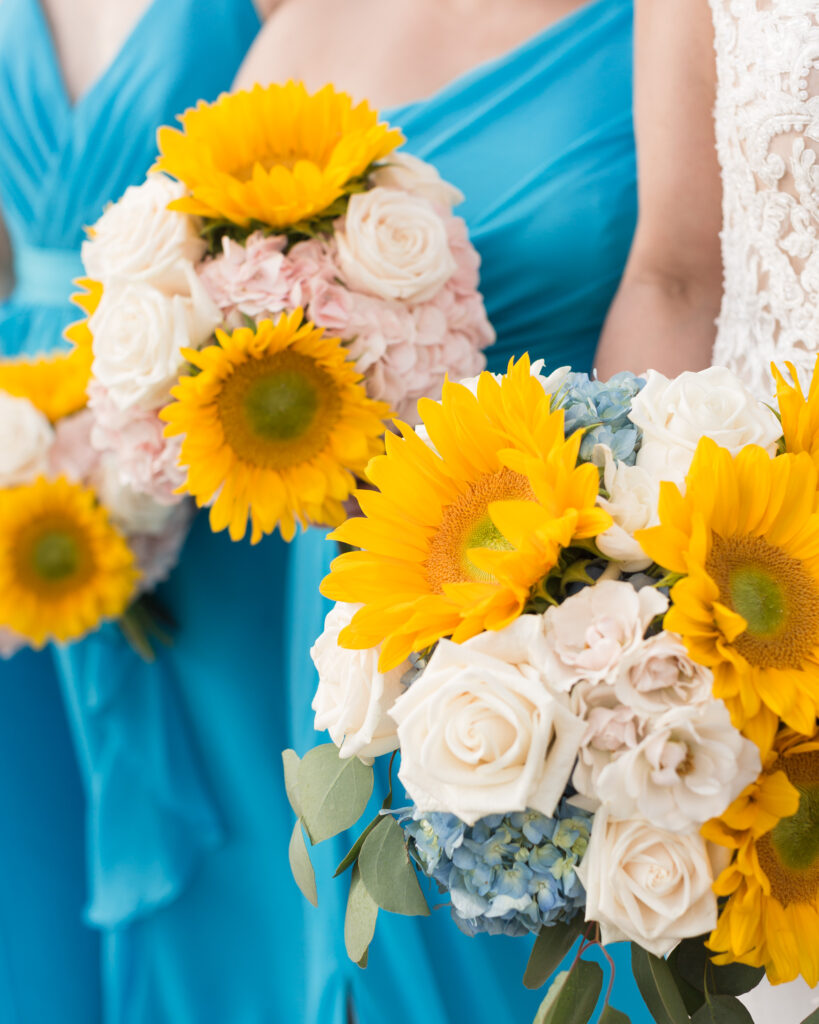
611	729
131	511
649	886
409	174
25	440
594	634
633	505
140	239
353	698
675	414
139	334
481	734
663	676
689	768
395	246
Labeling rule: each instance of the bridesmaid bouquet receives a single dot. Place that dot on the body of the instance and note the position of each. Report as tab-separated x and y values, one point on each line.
586	616
77	544
262	315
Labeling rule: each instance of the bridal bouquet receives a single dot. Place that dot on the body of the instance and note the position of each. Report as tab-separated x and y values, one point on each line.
279	286
586	617
78	545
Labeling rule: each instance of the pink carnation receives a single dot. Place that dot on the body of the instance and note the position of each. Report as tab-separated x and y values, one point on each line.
147	461
252	280
10	642
72	453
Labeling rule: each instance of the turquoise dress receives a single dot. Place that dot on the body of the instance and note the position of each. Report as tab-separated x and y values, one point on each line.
541	143
59	164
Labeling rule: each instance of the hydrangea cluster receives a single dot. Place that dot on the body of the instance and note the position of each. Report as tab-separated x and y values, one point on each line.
506	875
602	409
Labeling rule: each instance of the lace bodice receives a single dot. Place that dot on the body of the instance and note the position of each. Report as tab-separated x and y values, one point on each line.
767	122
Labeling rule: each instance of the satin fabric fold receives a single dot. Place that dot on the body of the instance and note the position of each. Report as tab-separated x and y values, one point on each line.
541	143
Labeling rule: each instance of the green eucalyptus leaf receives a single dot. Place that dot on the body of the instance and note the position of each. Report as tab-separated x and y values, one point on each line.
722	1010
333	792
812	1019
573	995
359	921
387	872
362	963
657	987
692	997
612	1016
551	946
291	761
691	960
355	850
301	866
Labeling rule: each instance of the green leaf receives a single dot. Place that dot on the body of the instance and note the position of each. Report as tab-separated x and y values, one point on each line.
359	921
355	850
387	872
691	996
301	866
362	963
573	995
291	761
612	1016
333	792
722	1010
656	984
551	946
691	960
812	1019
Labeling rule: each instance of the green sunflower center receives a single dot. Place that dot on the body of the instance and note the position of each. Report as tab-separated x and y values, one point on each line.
465	525
789	853
278	411
55	556
774	593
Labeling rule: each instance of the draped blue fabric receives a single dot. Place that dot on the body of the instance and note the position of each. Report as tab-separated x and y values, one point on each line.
150	811
541	143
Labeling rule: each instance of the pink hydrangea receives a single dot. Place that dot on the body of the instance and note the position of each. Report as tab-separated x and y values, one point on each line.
147	460
404	351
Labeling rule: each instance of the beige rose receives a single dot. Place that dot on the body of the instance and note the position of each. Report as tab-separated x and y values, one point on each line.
25	441
633	496
409	174
394	245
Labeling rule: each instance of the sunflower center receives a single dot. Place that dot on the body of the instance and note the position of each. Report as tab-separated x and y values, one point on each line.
278	411
789	853
775	595
466	525
52	556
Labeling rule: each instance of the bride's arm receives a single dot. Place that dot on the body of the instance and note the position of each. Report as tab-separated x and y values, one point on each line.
664	312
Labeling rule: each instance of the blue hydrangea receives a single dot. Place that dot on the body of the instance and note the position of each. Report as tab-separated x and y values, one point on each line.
509	874
602	407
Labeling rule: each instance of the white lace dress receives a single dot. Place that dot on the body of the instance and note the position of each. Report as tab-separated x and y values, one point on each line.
767	119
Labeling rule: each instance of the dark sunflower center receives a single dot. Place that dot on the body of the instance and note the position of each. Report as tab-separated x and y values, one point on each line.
775	595
465	525
55	556
789	854
278	411
281	406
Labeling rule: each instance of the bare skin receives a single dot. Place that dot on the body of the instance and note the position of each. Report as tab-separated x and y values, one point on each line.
412	47
87	35
663	315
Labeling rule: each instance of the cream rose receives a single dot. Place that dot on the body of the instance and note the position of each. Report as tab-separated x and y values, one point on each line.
633	496
409	174
689	768
353	698
130	510
139	239
649	886
481	734
139	334
394	245
674	414
611	730
25	440
593	635
663	676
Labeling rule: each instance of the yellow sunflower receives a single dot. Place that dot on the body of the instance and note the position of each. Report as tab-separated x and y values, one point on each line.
746	539
276	425
799	414
457	534
56	383
771	918
63	567
274	155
